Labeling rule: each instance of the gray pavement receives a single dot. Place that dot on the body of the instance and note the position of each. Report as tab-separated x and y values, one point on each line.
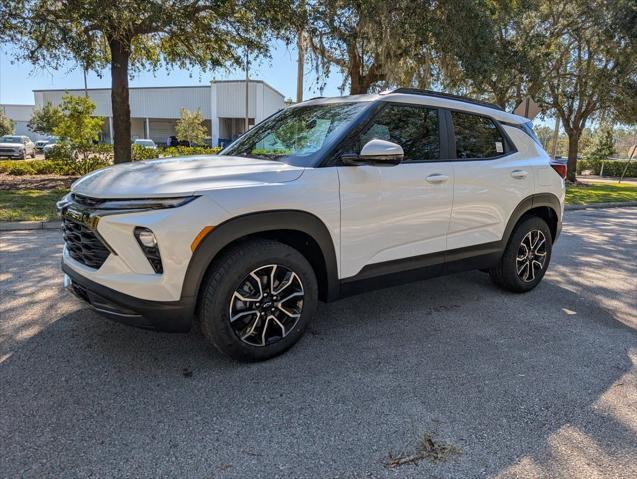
535	385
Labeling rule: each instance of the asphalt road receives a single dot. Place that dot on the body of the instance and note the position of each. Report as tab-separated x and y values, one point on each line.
535	385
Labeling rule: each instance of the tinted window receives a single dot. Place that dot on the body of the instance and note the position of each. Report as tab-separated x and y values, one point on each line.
476	136
412	127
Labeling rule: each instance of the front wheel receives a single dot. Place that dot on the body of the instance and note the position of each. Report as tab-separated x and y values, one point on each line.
526	256
258	299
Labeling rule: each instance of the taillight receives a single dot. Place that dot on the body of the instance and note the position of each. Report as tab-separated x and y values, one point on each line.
560	167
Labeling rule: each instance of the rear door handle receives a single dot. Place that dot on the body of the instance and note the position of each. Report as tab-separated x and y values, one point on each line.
437	178
519	174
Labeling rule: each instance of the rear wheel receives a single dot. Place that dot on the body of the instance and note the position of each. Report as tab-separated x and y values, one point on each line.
526	256
258	299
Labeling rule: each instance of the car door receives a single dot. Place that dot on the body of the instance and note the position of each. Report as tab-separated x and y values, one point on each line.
390	213
490	179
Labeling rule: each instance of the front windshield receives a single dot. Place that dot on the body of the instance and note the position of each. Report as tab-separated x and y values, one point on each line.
10	139
144	142
297	136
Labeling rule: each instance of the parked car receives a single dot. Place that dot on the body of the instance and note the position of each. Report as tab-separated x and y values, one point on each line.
16	146
49	146
173	141
145	143
40	144
324	199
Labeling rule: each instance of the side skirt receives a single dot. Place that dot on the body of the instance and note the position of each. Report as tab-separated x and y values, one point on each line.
393	273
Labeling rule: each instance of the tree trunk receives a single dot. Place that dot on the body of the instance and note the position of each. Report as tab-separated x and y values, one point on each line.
573	146
120	54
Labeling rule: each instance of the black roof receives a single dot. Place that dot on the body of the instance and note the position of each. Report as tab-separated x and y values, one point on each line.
449	96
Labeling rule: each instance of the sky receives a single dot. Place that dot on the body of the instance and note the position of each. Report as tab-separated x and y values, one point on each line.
19	79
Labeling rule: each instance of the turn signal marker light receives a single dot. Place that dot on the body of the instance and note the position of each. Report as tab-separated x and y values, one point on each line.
200	236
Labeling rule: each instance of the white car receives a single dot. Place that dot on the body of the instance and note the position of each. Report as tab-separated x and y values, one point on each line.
145	143
326	198
40	144
16	146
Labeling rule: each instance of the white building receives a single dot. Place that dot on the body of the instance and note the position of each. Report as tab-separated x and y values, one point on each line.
21	114
155	110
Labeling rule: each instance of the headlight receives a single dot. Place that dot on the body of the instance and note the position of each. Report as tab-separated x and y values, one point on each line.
128	204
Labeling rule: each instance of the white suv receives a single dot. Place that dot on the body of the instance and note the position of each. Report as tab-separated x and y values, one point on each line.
323	199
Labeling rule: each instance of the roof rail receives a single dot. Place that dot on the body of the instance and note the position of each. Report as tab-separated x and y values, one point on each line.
450	96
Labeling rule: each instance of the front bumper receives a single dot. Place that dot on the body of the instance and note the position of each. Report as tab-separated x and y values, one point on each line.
168	316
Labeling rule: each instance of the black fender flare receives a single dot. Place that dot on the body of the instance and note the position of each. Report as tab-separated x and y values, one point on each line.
259	222
526	205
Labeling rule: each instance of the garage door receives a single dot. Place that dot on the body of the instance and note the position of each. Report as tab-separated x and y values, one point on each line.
160	130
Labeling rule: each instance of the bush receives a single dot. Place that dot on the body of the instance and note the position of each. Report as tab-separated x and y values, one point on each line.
611	168
189	150
141	153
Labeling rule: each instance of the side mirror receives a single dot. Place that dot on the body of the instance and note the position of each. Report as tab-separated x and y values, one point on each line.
376	152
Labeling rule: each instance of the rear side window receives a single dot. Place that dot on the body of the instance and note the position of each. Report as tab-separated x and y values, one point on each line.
414	128
476	136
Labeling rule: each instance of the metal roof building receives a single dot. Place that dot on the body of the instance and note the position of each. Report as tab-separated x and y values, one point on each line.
155	110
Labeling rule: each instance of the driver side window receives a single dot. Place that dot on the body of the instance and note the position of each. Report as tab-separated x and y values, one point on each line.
415	128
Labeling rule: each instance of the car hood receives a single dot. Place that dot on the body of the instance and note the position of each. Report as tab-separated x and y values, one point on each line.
182	176
11	145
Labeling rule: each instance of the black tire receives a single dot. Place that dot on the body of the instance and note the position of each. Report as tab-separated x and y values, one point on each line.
505	274
33	154
229	273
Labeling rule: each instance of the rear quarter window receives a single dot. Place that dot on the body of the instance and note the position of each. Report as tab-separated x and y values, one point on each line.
476	136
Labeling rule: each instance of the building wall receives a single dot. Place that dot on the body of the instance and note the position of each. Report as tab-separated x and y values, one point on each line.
144	102
161	107
21	114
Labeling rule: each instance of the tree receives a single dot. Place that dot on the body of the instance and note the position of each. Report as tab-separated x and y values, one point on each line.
585	60
603	145
130	34
7	125
373	42
490	56
76	123
190	127
45	119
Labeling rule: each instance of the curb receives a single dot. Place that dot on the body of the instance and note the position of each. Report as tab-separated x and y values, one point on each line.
621	204
54	225
29	225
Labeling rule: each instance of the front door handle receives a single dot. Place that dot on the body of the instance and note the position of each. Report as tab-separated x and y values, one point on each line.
437	178
519	174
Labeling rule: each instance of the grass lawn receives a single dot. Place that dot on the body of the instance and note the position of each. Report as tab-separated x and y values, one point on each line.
600	193
29	205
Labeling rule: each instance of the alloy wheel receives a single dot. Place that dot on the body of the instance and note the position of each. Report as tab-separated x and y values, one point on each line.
267	305
531	256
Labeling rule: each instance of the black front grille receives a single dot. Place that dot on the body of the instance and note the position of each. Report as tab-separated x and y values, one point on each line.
83	244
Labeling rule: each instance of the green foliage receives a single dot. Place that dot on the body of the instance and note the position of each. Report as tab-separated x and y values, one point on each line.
603	145
613	168
44	120
190	127
76	123
140	153
174	151
34	167
7	125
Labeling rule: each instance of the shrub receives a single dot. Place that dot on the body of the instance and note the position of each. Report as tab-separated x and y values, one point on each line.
20	169
611	168
140	153
189	150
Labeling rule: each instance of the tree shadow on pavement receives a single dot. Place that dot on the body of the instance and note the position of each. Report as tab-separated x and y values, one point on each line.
534	385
